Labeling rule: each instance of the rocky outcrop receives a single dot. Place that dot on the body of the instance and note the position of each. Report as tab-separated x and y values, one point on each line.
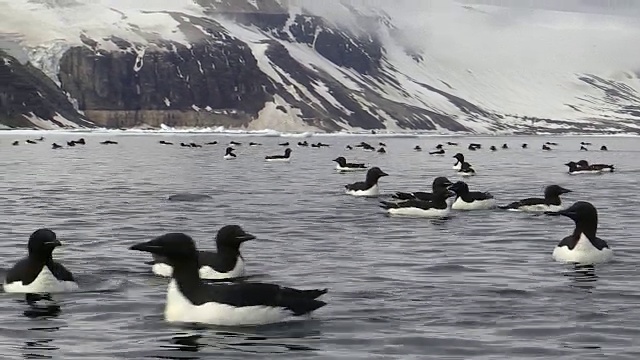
27	93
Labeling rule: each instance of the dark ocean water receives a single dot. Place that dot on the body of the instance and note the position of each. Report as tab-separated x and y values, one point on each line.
479	285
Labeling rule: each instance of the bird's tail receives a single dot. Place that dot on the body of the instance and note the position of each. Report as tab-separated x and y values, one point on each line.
388	205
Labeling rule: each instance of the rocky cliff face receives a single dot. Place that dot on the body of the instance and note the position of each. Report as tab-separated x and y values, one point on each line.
29	99
277	64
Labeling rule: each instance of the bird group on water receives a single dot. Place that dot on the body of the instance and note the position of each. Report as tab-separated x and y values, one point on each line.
208	286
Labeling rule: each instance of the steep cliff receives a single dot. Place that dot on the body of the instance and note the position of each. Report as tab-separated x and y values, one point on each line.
29	99
329	65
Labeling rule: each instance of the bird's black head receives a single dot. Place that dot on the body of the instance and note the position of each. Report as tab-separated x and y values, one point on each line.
42	243
440	182
375	173
287	152
555	190
459	157
460	188
229	150
173	246
584	214
583	163
232	236
341	161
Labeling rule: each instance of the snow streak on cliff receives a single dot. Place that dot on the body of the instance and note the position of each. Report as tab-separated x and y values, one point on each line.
299	65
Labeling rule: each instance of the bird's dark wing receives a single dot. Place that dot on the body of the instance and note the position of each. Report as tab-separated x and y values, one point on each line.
60	272
255	294
523	202
413	203
21	271
215	261
358	186
356	166
477	195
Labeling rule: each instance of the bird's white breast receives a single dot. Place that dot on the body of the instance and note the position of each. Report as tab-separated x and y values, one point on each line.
583	253
229	157
585	172
344	169
207	272
279	160
457	165
539	208
45	282
180	309
418	212
372	191
460	204
162	269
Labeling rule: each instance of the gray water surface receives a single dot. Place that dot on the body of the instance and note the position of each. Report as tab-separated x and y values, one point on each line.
479	285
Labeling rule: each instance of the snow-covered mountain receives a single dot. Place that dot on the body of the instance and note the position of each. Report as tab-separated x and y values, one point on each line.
300	65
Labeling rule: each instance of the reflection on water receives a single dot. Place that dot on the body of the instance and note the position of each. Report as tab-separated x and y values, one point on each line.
41	306
40	348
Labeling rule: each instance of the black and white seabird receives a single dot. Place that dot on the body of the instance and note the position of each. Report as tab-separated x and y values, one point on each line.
190	300
212	143
583	167
228	153
343	165
369	187
194	145
254	144
493	148
582	247
585	143
582	148
284	144
437	207
505	146
303	144
29	141
439	183
545	147
551	201
459	160
524	146
466	170
15	143
38	273
284	158
471	200
108	142
604	148
584	164
382	151
437	152
56	146
234	143
225	263
163	142
452	143
417	148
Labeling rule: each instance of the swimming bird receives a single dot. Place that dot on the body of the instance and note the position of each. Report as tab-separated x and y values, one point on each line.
582	247
190	300
284	144
188	197
212	143
38	273
165	142
184	145
550	202
234	143
41	138
108	142
472	148
315	146
438	184
476	145
194	145
459	160
437	207
439	147
597	167
604	148
585	143
582	168
437	152
15	143
452	143
417	148
56	146
524	146
348	147
382	144
471	200
254	144
551	143
493	148
30	141
305	144
466	170
80	141
343	165
228	154
224	263
382	151
369	187
582	148
71	143
545	147
284	158
505	146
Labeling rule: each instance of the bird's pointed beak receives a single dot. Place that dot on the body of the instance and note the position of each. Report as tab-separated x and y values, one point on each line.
148	246
566	212
565	191
245	237
384	174
54	243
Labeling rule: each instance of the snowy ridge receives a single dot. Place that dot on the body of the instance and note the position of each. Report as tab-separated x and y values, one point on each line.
406	65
